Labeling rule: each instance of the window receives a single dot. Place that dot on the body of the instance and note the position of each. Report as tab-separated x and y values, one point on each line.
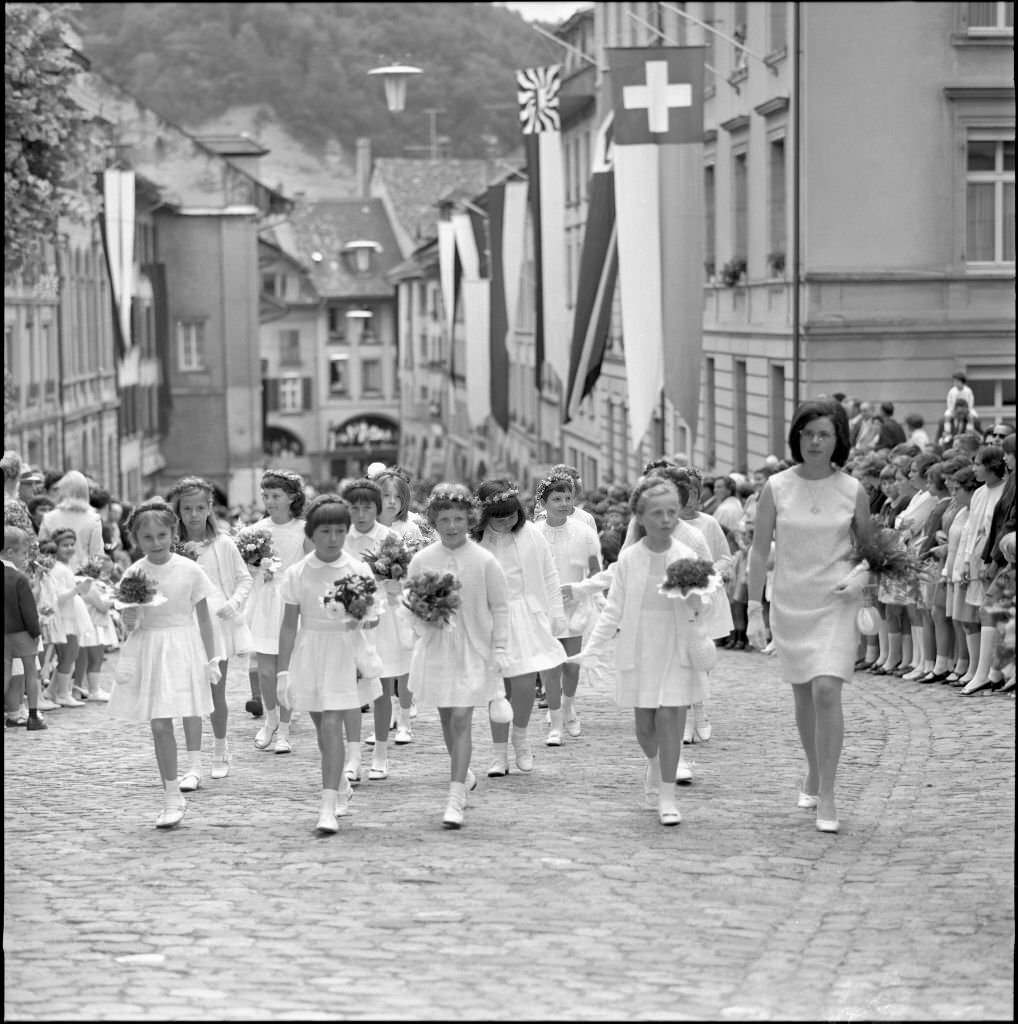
739	457
710	424
339	375
989	198
777	410
190	345
337	324
710	216
991	18
740	207
289	348
371	377
270	285
777	27
293	392
994	390
776	205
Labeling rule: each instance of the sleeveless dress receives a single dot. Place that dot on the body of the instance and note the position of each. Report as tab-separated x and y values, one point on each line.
814	628
265	606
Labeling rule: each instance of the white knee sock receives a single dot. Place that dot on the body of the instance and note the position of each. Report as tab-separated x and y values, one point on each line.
284	730
353	752
557	719
378	757
219	747
501	750
519	736
271	718
330	797
987	645
972	643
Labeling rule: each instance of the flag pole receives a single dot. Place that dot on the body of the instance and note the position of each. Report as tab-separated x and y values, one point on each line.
796	175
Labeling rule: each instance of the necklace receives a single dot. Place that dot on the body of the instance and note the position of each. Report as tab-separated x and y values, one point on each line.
814	496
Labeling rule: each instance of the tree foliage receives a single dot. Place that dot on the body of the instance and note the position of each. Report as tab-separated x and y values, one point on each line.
308	62
49	143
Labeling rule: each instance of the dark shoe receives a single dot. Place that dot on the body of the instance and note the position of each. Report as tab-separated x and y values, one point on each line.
254	708
933	677
35	724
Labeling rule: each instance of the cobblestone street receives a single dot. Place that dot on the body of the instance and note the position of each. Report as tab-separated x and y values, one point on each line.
561	898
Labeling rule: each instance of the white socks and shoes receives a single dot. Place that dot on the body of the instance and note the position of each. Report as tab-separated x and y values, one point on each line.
352	770
500	761
652	781
191	779
453	817
282	745
701	723
266	735
683	773
555	732
404	734
174	806
327	821
220	760
521	747
667	808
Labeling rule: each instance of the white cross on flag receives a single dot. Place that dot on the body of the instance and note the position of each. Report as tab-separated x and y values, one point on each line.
657	95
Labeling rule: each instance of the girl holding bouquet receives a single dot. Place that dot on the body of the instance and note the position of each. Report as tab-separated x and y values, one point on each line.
169	659
660	651
72	621
813	511
577	553
536	612
333	664
282	494
192	499
460	652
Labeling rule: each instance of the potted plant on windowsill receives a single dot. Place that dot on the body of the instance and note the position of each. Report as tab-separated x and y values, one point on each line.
776	261
733	273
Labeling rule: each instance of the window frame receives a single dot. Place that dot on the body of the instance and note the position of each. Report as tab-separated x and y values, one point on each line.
343	360
1000	26
195	350
290	383
999	177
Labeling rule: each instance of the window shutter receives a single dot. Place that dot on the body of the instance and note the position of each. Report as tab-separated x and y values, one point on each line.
306	397
272	394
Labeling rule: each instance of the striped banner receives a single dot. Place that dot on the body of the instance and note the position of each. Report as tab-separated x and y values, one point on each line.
117	229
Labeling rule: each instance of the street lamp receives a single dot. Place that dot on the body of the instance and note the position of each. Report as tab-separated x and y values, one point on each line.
394	77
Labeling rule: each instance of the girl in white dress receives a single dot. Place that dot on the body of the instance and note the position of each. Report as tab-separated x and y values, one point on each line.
168	661
397	494
656	675
193	500
366	534
326	655
577	553
536	612
458	667
282	494
98	600
71	615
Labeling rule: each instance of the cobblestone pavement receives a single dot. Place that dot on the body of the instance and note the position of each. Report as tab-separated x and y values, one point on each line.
561	898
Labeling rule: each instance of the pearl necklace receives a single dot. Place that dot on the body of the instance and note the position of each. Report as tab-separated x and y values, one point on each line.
814	497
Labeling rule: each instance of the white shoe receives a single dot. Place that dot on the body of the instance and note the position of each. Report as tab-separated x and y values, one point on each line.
190	780
573	726
283	745
471	781
170	816
683	773
45	704
100	696
264	736
525	756
378	772
499	767
404	735
554	738
343	803
220	765
327	823
70	702
453	817
701	724
413	709
352	774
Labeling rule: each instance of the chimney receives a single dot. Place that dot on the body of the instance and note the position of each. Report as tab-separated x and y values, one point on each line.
363	167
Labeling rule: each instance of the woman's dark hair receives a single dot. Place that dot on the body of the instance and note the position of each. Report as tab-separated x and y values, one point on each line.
98	497
291	483
991	457
814	410
965	478
43	501
921	463
326	510
935	477
58	535
499	497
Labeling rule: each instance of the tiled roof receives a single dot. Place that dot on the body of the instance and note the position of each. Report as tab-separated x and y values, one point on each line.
325	226
415	186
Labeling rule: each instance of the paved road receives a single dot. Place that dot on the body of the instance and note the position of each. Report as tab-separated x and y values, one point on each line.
561	898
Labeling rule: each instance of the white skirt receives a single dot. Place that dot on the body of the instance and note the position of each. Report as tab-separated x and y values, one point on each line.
659	680
532	647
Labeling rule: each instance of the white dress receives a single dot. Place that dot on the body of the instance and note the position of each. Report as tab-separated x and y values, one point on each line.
572	545
161	668
232	581
265	606
532	645
332	668
105	633
452	666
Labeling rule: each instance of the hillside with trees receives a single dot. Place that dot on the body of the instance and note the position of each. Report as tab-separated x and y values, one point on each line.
304	66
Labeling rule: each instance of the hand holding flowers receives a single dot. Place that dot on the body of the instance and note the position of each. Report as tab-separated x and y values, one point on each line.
255	546
353	594
432	597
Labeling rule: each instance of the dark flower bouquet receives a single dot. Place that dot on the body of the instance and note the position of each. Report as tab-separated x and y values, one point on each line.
188	548
136	588
354	593
93	569
391	559
39	565
887	555
432	596
685	574
255	546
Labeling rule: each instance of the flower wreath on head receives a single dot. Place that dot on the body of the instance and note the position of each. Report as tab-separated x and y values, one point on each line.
497	499
284	474
551	480
453	493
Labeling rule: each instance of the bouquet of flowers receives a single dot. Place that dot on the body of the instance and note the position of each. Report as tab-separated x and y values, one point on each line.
432	596
188	548
685	574
92	569
255	546
391	559
354	593
137	588
40	564
886	554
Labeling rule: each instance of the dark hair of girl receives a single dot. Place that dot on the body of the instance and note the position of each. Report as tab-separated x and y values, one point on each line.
499	497
291	483
814	410
363	490
326	510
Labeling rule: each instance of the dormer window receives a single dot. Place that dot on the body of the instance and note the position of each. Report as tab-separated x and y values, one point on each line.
359	255
363	317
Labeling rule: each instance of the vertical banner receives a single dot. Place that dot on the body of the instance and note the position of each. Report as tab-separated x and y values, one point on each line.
657	95
498	353
474	291
595	290
118	238
538	96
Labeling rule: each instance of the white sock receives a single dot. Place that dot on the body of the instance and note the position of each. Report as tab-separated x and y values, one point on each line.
942	664
271	718
381	748
666	799
284	730
567	708
172	797
917	645
501	750
330	797
654	775
458	790
403	718
194	761
519	736
219	747
557	719
353	752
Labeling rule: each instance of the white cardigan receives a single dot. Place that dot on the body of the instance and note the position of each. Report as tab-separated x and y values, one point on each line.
542	587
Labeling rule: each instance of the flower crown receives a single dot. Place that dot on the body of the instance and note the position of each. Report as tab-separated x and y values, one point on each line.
497	499
288	476
452	492
553	480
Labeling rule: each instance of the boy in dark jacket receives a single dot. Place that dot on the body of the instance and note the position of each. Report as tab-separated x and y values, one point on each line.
21	622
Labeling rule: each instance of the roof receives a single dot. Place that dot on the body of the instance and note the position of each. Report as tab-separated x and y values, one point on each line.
325	226
414	187
232	145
